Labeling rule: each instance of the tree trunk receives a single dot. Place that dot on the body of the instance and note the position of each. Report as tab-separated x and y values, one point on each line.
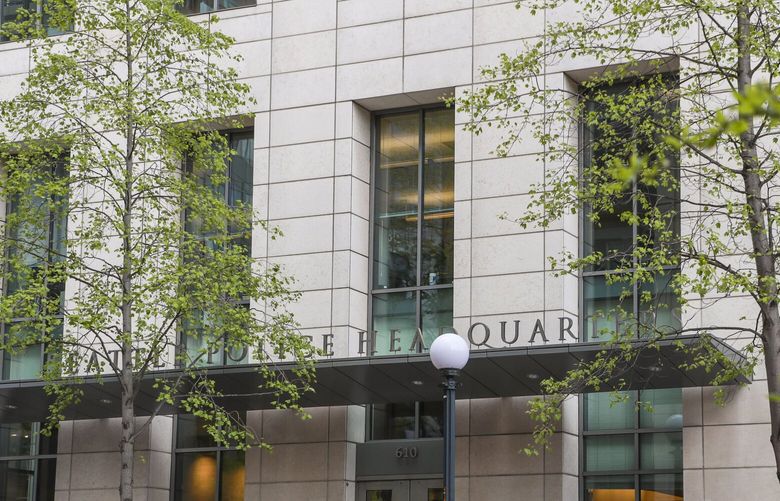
127	445
763	248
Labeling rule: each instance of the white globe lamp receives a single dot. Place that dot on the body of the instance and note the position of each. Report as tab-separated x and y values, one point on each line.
449	352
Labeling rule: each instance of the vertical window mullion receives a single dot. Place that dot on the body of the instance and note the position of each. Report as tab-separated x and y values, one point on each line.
420	192
634	240
218	490
417	419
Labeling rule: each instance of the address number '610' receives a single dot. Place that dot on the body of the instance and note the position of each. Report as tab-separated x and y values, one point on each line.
406	452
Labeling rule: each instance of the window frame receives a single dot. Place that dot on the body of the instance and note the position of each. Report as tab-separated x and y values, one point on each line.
369	428
39	11
224	358
58	167
417	289
37	457
217	2
217	449
637	432
581	247
375	152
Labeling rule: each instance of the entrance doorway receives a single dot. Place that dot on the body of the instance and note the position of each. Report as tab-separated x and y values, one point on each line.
401	490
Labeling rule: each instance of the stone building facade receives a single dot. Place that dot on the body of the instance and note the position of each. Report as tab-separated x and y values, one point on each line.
330	77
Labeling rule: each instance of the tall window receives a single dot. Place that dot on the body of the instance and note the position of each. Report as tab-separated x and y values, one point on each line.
413	229
27	463
236	191
631	452
203	470
42	237
633	445
204	6
612	302
412	265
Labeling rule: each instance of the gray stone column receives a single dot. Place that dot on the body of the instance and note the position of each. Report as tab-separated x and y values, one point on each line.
88	462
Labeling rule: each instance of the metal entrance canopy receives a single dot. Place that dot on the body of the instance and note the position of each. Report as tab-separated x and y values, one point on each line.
501	372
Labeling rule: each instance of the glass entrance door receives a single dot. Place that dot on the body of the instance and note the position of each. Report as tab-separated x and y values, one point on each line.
401	490
426	490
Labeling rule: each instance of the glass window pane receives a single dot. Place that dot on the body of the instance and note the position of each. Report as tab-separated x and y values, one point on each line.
395	322
47	469
609	453
17	480
436	313
668	487
609	235
605	411
24	364
431	419
232	4
608	307
660	451
659	308
232	476
191	432
196	6
666	408
239	191
392	421
196	476
438	198
396	202
16	439
436	494
196	341
609	488
383	495
241	165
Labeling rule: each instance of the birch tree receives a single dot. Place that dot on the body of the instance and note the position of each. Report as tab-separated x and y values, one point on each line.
120	244
683	148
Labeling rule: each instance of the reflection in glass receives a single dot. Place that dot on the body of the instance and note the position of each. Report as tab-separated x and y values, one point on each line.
204	6
47	469
609	452
664	487
17	480
239	189
196	6
24	364
392	421
666	408
395	322
17	439
396	201
232	476
191	432
431	419
610	236
436	306
199	354
660	451
607	306
196	476
611	488
659	308
436	494
379	495
605	411
438	198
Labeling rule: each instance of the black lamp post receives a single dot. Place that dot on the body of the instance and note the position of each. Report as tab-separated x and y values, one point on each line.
449	354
